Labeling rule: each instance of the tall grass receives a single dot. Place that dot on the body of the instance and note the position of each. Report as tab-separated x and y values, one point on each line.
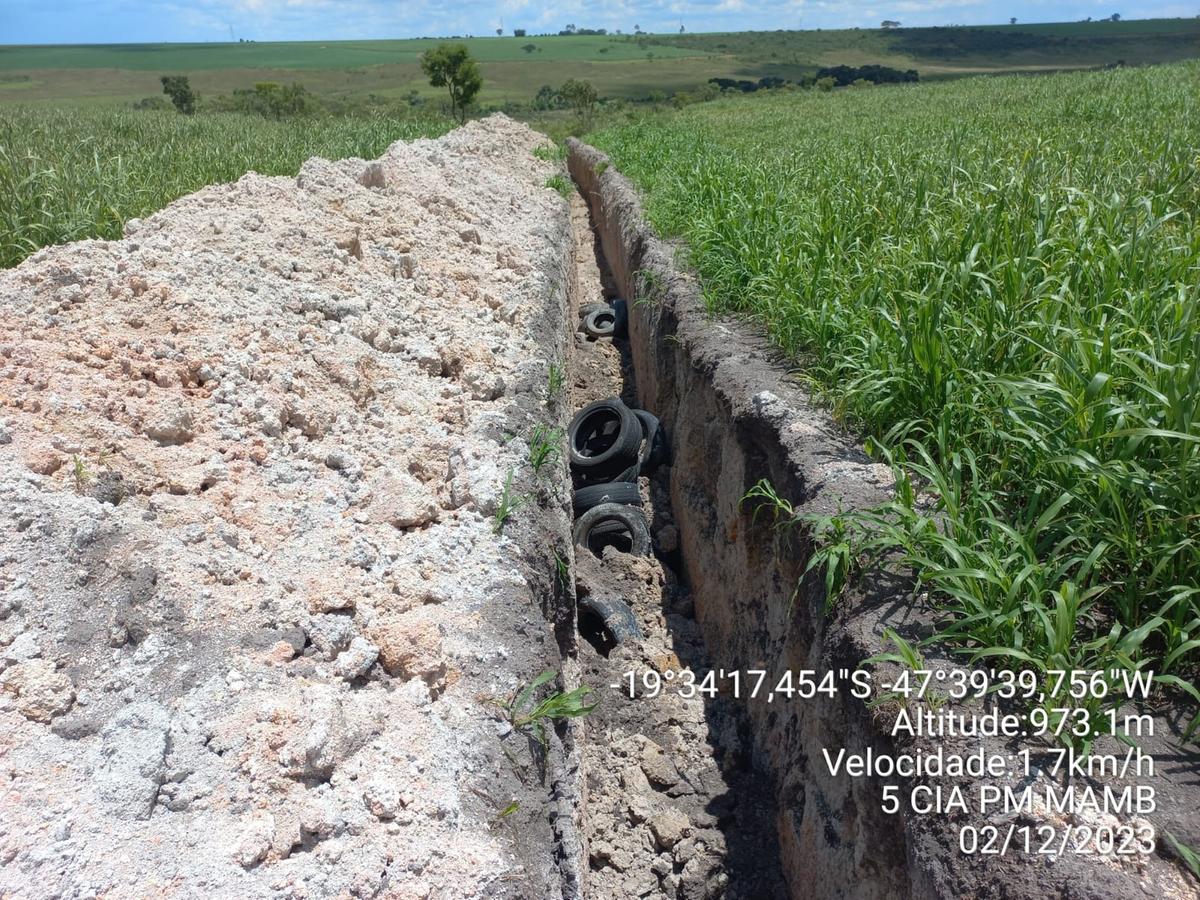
996	280
71	174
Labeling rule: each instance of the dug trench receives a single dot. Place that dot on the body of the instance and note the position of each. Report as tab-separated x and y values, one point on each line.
730	590
673	807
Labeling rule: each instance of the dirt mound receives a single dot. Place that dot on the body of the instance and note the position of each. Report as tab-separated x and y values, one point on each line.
253	605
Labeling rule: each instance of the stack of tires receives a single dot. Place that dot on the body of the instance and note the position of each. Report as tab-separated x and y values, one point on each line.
609	446
601	320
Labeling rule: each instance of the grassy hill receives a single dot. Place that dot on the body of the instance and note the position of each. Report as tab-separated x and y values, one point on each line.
954	51
620	66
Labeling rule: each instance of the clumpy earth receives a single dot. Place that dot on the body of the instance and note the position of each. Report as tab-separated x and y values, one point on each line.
254	613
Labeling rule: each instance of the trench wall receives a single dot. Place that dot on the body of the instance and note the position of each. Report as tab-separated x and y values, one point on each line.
735	417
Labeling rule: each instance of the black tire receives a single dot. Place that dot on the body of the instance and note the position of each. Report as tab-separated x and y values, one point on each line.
603	440
588	308
619	620
655	449
600	323
623	492
583	479
633	536
606	531
621	318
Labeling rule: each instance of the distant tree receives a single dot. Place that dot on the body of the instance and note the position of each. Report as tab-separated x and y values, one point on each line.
547	98
657	97
273	100
876	74
581	95
451	66
529	48
570	29
889	23
518	32
681	28
158	104
1012	21
825	84
637	29
499	32
1115	17
177	88
603	50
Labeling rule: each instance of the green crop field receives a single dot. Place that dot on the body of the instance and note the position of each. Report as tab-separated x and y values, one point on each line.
72	174
124	72
314	54
623	66
997	281
939	52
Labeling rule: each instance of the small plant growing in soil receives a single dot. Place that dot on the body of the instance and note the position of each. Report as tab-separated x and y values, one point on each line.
551	152
1189	856
510	502
835	551
508	810
560	184
544	447
80	474
780	507
652	290
556	381
559	705
562	570
909	658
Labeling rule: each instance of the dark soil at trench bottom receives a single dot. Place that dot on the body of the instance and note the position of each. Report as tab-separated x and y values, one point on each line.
673	808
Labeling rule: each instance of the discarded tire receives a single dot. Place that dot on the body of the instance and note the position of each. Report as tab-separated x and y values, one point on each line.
630	474
655	450
600	323
611	524
618	618
603	440
620	318
588	308
625	493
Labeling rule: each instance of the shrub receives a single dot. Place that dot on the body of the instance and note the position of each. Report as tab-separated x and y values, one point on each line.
182	96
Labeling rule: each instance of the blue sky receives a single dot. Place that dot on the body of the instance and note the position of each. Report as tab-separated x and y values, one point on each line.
87	21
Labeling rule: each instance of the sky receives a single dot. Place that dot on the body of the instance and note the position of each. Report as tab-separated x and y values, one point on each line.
126	21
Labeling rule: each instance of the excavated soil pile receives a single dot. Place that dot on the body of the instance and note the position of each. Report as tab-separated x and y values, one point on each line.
254	612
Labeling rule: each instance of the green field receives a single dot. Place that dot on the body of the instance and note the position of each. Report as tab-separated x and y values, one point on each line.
997	281
314	54
939	52
620	66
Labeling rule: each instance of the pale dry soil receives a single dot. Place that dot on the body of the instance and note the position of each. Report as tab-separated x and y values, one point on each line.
253	612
